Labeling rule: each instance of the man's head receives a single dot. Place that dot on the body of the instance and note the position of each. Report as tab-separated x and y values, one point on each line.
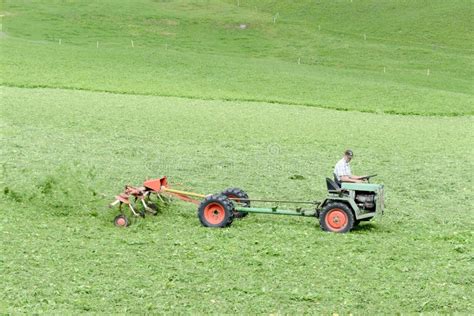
348	155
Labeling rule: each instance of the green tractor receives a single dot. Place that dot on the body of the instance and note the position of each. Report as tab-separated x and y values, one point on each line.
347	204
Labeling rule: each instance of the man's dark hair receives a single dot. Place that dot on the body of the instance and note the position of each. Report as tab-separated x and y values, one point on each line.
349	153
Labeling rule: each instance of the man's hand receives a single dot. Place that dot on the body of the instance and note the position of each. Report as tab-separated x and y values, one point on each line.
366	178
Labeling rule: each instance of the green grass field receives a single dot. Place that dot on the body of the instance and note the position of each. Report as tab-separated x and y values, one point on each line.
212	106
314	54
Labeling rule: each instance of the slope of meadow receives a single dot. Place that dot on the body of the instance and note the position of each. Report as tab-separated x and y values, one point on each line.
376	56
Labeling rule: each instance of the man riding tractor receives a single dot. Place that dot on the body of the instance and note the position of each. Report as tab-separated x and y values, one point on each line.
342	170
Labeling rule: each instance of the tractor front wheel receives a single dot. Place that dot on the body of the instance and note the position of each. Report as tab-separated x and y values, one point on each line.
216	211
336	217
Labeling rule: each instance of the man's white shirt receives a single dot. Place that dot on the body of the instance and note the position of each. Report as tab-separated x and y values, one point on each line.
342	168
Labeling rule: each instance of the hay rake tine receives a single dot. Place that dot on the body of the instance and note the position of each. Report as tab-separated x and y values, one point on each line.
133	210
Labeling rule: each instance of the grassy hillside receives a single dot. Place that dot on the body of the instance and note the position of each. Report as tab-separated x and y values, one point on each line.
66	153
370	56
221	93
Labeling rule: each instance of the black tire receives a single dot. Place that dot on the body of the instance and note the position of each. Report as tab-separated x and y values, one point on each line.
336	217
242	198
216	211
121	221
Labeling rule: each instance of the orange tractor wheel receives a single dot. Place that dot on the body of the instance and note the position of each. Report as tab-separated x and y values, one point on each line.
336	217
216	211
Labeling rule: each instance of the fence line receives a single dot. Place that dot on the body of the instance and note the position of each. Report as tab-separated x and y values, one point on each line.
59	41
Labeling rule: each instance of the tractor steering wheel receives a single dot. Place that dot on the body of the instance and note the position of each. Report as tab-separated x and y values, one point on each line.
368	177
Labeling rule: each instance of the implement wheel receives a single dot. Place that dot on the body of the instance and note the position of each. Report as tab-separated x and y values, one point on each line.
216	211
336	217
121	221
239	196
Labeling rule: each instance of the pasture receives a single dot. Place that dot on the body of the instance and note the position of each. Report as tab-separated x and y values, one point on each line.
212	106
69	152
368	56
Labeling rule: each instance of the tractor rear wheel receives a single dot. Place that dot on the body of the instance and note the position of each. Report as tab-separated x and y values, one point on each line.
216	211
336	217
240	196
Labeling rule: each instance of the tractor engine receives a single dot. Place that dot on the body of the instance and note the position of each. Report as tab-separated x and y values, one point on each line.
365	200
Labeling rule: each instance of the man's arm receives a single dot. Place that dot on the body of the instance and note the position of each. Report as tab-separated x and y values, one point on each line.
352	179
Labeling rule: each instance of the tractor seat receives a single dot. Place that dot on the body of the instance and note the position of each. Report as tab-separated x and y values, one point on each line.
332	186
